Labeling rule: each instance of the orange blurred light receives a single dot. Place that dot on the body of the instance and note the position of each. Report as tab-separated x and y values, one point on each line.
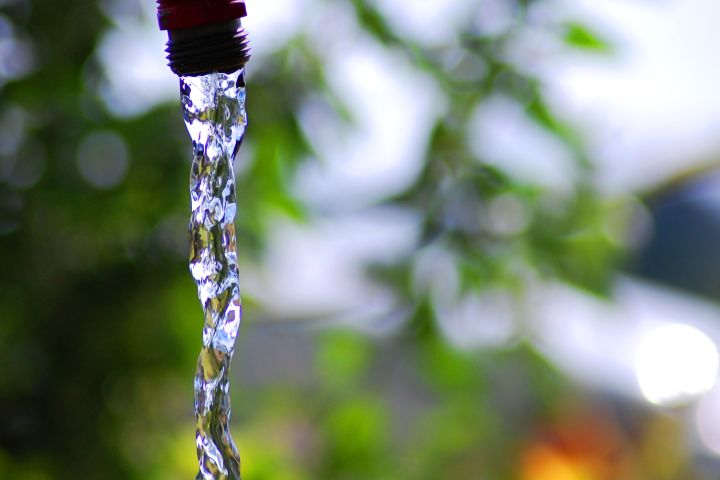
542	462
584	444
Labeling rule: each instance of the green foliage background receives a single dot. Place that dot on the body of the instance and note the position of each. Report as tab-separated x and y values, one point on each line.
99	321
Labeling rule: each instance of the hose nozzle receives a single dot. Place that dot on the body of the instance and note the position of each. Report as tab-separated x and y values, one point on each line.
204	36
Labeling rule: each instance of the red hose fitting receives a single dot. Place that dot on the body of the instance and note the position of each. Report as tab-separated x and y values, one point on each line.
204	36
177	14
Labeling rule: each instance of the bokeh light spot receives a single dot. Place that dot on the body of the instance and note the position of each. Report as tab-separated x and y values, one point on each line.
676	364
102	159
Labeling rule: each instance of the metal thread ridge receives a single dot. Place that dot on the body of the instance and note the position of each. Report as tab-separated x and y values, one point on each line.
214	113
213	48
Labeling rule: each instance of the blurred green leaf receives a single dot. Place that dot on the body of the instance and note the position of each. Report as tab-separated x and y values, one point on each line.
581	36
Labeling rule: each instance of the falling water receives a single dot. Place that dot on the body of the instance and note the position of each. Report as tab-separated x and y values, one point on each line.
214	113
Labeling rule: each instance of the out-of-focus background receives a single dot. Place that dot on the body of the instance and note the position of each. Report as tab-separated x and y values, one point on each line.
478	240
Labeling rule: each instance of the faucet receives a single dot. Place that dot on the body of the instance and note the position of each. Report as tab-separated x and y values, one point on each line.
204	36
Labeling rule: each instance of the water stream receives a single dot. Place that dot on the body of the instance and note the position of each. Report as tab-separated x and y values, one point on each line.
214	112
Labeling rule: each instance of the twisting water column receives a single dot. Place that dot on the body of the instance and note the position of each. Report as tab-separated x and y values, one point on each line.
207	49
214	115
